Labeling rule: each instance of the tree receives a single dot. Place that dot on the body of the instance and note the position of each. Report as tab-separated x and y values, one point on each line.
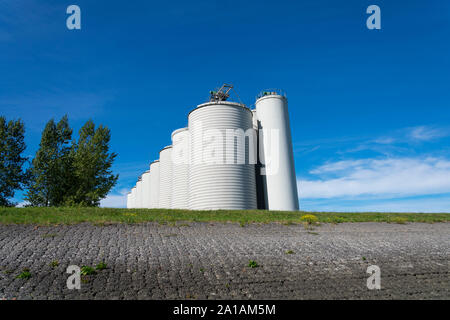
92	161
12	145
51	169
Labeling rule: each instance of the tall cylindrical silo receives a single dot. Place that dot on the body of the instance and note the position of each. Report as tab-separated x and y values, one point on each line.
276	153
180	169
220	173
254	119
139	193
128	200
139	187
133	197
154	184
146	189
260	179
165	177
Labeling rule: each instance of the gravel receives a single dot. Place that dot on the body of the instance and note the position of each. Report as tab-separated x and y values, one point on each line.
211	261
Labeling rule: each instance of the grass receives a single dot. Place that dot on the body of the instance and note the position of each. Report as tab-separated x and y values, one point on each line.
105	216
86	270
309	219
54	264
101	266
25	274
253	264
399	220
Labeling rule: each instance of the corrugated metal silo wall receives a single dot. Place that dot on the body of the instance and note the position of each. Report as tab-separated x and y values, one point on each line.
154	184
180	169
139	193
146	189
220	185
165	177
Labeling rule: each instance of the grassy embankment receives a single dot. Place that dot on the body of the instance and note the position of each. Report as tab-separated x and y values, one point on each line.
52	216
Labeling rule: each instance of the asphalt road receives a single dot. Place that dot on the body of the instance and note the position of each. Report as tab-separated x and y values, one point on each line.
210	261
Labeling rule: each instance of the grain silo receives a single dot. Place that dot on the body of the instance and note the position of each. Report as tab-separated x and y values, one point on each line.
139	193
219	162
254	119
276	153
165	177
260	179
215	182
133	197
180	169
146	189
154	184
129	200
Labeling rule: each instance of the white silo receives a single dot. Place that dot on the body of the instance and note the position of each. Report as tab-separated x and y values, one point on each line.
276	153
180	169
154	184
254	119
146	189
139	193
128	200
260	179
133	197
165	177
215	182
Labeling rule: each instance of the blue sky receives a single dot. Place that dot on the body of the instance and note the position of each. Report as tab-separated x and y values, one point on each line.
370	109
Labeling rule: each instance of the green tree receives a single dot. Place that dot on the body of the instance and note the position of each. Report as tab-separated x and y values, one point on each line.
92	163
51	169
12	145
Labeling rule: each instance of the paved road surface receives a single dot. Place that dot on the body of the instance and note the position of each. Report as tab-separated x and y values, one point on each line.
210	261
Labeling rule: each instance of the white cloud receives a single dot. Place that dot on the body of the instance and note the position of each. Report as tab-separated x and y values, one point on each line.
384	140
338	166
117	200
396	142
430	205
425	133
388	178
